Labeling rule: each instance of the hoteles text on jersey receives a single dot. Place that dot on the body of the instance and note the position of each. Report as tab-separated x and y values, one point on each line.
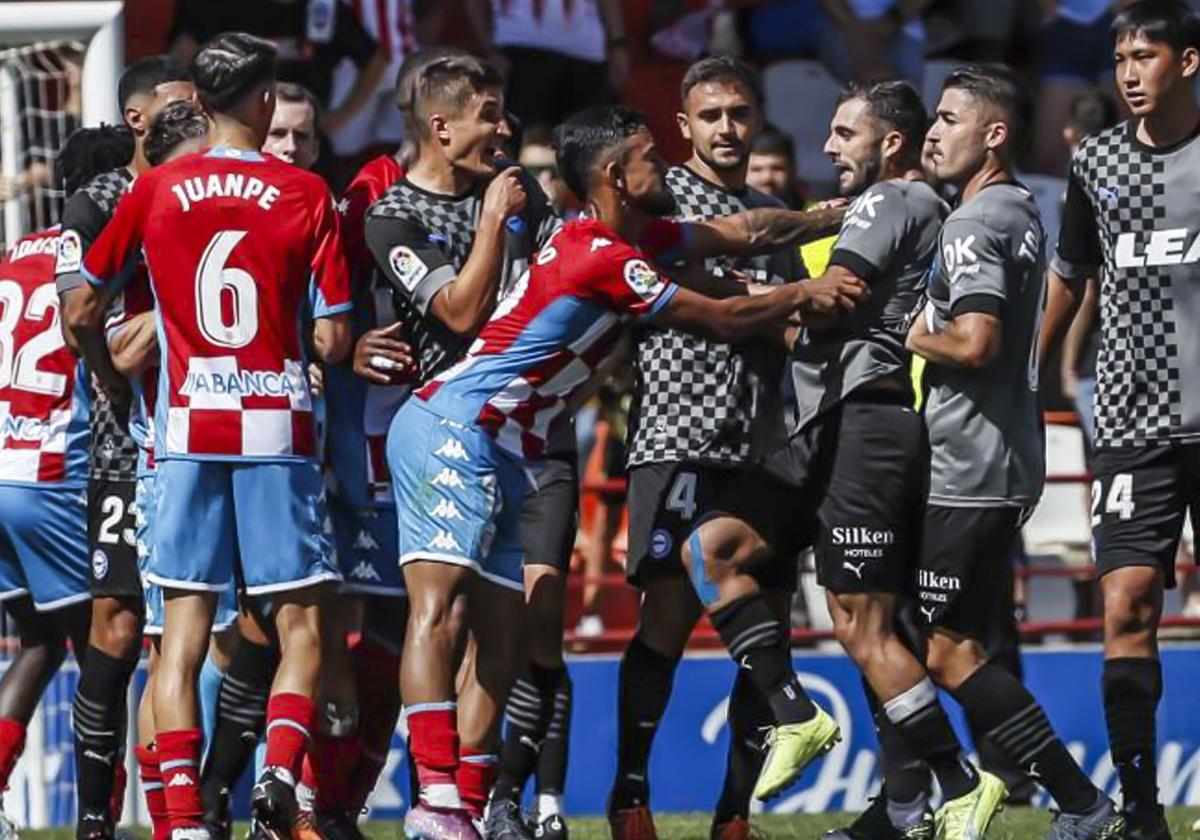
552	330
232	241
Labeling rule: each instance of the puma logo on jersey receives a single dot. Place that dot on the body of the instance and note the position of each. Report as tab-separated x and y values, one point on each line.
448	478
850	567
454	450
365	571
444	541
365	542
445	509
1162	247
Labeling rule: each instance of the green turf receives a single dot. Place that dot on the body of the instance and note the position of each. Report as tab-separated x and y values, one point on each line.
1012	824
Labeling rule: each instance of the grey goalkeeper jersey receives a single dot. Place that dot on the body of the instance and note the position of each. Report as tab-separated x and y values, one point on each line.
888	239
1134	212
986	437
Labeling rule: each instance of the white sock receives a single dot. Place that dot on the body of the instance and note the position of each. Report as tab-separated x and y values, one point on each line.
908	703
549	805
441	796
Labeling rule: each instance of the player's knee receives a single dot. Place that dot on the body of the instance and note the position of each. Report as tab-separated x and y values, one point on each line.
1131	604
950	661
858	625
429	615
121	635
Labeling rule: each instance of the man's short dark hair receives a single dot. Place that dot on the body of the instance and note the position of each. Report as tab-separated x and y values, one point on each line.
178	122
774	141
999	86
721	68
447	79
295	93
1169	22
897	107
145	74
232	65
586	136
90	151
1092	111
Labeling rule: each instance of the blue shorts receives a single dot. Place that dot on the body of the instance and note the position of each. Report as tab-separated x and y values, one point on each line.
458	495
43	545
145	506
215	519
367	553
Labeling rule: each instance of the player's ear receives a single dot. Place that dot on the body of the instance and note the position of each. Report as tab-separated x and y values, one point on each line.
684	129
614	173
135	119
1191	62
997	135
439	128
892	143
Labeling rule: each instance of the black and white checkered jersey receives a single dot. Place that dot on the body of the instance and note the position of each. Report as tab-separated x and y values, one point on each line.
700	400
421	240
888	239
114	452
1133	211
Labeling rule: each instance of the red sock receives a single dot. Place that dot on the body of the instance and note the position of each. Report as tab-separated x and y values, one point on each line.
290	720
116	803
156	797
376	675
179	767
333	762
433	742
12	744
475	774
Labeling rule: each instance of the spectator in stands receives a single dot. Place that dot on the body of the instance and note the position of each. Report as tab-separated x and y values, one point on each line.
772	167
559	55
1074	54
312	36
293	133
858	40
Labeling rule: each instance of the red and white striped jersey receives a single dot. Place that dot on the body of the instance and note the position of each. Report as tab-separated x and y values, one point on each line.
552	330
232	240
390	23
43	388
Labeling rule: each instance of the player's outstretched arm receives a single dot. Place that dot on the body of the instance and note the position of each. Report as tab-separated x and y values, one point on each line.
333	337
971	340
735	319
761	231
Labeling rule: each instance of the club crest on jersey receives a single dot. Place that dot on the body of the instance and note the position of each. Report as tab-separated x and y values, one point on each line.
660	543
99	564
643	279
70	253
407	266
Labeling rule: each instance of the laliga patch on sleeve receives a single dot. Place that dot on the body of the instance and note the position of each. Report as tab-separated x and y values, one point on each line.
643	279
407	266
70	253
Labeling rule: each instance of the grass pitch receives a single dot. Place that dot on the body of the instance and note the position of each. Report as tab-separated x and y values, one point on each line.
1011	824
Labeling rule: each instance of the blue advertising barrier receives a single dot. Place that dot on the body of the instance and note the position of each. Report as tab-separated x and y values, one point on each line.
689	751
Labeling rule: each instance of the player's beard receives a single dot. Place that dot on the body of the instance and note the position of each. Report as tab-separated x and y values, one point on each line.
658	203
870	174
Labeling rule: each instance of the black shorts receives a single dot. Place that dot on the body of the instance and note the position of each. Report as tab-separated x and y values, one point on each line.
666	501
965	571
550	514
852	485
1140	497
112	547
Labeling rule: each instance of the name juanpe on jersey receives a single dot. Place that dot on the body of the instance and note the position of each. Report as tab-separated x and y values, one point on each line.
196	189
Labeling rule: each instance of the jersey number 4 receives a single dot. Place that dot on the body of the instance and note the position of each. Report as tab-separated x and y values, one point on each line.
1118	501
216	281
19	366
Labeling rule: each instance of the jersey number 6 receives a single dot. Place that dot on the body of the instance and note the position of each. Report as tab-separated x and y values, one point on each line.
213	280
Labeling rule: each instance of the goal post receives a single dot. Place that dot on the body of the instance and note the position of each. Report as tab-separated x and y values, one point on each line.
99	25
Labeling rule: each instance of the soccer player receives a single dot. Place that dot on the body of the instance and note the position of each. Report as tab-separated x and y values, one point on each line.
1130	219
851	383
99	713
457	468
235	435
442	243
979	335
700	411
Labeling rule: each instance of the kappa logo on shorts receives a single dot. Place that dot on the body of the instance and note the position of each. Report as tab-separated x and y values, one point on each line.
445	509
99	564
444	541
448	478
661	543
365	542
365	571
453	449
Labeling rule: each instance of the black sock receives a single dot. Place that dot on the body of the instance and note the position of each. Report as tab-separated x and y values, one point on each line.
528	712
920	720
644	687
99	716
998	704
1132	688
748	715
241	717
552	760
756	640
905	774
